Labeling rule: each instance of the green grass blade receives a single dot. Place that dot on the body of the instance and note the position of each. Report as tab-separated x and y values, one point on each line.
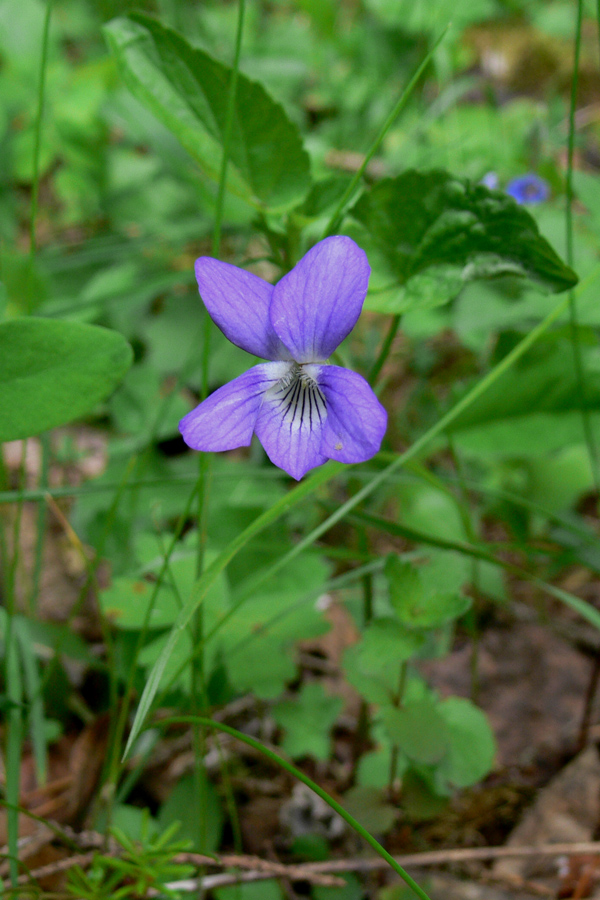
14	740
573	323
338	214
35	186
296	773
480	551
34	697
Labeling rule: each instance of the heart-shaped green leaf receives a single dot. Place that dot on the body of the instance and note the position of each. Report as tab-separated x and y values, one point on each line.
187	90
418	605
471	742
435	233
52	372
418	729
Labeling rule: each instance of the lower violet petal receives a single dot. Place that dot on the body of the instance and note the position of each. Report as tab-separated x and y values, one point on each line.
226	419
290	425
356	420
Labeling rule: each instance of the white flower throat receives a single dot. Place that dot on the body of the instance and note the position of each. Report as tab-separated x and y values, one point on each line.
299	397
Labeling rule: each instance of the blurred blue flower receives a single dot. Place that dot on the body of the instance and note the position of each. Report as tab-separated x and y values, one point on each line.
528	189
303	410
490	180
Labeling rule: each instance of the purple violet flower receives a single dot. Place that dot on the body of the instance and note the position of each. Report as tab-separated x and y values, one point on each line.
528	189
303	410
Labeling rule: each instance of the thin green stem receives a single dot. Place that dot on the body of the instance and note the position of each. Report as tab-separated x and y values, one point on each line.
12	568
41	525
573	322
466	514
14	688
584	609
397	702
296	773
367	578
114	766
198	673
338	214
35	187
216	246
14	743
230	804
385	349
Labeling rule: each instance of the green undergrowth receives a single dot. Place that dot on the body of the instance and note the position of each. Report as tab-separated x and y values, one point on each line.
202	594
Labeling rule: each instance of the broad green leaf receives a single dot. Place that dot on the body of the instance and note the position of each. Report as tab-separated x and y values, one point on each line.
426	508
352	890
253	890
417	606
258	642
369	806
62	640
187	90
52	372
127	599
387	642
379	687
419	801
374	767
374	665
556	482
435	233
419	729
471	744
135	822
184	806
307	720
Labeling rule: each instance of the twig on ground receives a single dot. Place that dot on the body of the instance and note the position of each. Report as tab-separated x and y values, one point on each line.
323	873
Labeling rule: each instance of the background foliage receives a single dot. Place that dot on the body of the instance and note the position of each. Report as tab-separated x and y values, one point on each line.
131	145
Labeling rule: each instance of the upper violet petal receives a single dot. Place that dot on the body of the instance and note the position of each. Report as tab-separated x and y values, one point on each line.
226	419
238	302
356	420
316	305
291	439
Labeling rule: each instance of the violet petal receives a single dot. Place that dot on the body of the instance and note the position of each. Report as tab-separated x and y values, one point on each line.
316	305
238	302
290	426
226	419
356	420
